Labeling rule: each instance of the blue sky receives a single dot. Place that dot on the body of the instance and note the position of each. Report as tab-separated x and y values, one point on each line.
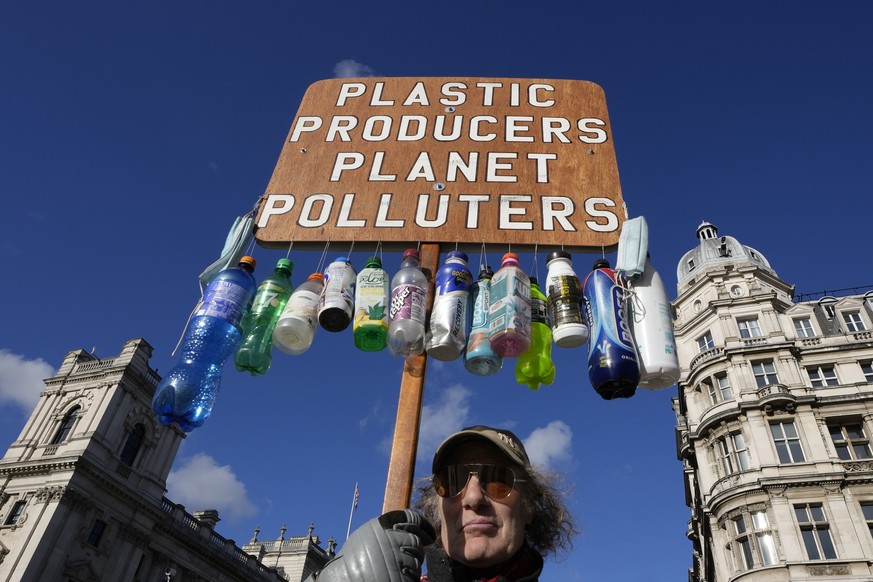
132	136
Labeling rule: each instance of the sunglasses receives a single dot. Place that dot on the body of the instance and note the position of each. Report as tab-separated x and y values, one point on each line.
496	481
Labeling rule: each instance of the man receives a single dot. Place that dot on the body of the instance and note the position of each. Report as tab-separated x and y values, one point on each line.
494	519
495	516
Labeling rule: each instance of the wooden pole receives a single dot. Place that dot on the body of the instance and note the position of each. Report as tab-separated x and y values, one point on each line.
401	468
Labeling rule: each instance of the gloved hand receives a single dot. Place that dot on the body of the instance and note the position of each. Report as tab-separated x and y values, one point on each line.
389	548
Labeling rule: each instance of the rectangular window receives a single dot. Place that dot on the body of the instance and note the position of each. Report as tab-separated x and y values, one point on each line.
850	441
853	321
822	376
763	551
96	533
803	327
787	442
749	327
867	509
765	373
815	530
15	512
734	454
705	342
867	369
724	387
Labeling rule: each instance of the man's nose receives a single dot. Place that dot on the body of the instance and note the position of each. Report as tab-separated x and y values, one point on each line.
473	493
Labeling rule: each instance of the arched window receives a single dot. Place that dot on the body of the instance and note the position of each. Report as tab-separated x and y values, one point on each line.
66	426
132	445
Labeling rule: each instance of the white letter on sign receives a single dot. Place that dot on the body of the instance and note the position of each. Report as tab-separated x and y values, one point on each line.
350	90
326	206
344	221
272	208
305	123
473	207
346	161
506	211
550	214
611	219
442	211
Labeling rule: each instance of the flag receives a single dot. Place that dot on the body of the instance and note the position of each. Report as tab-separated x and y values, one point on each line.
357	494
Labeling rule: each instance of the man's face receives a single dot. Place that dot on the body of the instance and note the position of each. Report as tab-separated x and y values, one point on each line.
478	531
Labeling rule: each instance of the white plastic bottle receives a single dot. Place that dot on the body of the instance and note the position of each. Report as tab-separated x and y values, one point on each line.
408	293
299	320
337	303
564	293
651	323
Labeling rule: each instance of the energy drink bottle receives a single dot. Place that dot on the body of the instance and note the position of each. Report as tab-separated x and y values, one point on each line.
613	367
565	302
479	358
535	366
447	336
509	325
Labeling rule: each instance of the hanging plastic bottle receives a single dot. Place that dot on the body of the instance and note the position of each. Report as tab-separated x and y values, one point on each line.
479	358
651	322
447	336
256	352
408	293
299	320
338	299
372	296
187	393
565	302
509	325
612	359
535	366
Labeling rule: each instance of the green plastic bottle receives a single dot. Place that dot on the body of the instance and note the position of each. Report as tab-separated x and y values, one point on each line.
535	366
256	352
372	302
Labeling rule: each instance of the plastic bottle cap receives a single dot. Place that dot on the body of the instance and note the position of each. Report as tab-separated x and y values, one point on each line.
285	264
316	276
341	260
600	264
250	261
374	262
457	255
558	255
409	253
510	257
533	281
486	272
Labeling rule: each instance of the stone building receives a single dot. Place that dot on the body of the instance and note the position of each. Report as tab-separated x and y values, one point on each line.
82	490
775	413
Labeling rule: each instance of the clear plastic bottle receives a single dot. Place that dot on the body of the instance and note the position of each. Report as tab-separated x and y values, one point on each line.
187	393
299	320
535	366
372	296
509	326
564	294
479	358
408	293
447	336
256	352
338	300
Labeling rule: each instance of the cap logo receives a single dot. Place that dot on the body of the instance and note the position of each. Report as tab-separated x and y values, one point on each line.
507	440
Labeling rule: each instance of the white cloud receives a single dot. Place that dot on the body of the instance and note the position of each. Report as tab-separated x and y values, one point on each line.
549	443
21	380
201	483
450	413
351	68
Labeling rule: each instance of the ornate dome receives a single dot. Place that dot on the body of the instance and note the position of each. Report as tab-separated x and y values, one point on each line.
717	249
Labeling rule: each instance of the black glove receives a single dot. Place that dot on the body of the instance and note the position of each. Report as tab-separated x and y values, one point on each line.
389	548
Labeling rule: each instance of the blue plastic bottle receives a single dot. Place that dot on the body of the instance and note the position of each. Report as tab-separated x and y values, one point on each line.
480	359
613	367
187	393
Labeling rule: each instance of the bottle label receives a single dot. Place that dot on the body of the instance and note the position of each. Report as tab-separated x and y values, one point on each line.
225	300
564	296
339	288
303	306
539	312
510	303
407	302
269	296
481	300
371	299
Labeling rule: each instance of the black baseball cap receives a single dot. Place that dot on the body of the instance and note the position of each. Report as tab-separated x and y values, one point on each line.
505	440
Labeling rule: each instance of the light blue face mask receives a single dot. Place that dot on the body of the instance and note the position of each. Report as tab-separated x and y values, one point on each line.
633	246
234	248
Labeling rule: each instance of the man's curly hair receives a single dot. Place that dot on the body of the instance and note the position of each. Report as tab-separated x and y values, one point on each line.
552	526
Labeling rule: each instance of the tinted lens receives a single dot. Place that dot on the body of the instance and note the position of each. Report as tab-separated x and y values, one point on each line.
496	480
